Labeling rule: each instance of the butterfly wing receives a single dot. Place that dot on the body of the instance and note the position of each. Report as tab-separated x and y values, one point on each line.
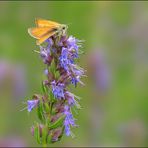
40	31
45	37
46	23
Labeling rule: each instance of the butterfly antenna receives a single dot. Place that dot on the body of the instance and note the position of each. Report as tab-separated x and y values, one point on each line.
68	24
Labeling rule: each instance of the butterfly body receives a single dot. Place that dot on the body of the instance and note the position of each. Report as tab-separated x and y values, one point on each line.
45	29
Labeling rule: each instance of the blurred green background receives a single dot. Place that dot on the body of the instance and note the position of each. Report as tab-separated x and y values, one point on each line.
115	96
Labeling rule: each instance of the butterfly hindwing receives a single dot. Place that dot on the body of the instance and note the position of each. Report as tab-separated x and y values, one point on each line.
45	37
40	31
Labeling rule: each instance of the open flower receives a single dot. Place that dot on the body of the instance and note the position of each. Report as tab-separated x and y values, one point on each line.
64	59
77	73
69	121
32	104
57	89
49	43
45	55
72	43
71	99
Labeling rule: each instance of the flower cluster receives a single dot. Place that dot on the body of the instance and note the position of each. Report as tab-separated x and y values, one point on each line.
54	106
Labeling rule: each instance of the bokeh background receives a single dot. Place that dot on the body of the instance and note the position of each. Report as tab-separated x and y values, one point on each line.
115	96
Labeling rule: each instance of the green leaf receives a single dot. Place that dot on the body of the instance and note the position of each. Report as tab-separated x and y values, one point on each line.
51	95
37	134
46	106
49	138
48	120
52	67
44	135
57	123
40	111
53	111
43	88
57	74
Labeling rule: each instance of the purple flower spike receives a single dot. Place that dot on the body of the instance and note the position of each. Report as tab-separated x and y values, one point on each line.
32	104
59	54
57	89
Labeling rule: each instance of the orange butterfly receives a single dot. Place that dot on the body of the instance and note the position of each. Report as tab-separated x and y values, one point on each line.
45	29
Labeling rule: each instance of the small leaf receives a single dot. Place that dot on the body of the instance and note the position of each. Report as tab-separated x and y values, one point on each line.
57	123
37	134
53	109
44	135
49	138
46	106
52	66
52	98
57	74
48	120
40	112
43	88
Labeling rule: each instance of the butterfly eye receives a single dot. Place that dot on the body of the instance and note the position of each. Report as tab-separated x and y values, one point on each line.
64	27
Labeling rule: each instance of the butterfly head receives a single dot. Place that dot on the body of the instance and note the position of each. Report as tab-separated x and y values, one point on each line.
63	28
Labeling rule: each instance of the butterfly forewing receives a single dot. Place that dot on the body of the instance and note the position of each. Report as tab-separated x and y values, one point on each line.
40	31
46	23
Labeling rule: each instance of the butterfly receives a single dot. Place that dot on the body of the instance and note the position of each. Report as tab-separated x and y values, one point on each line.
45	29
